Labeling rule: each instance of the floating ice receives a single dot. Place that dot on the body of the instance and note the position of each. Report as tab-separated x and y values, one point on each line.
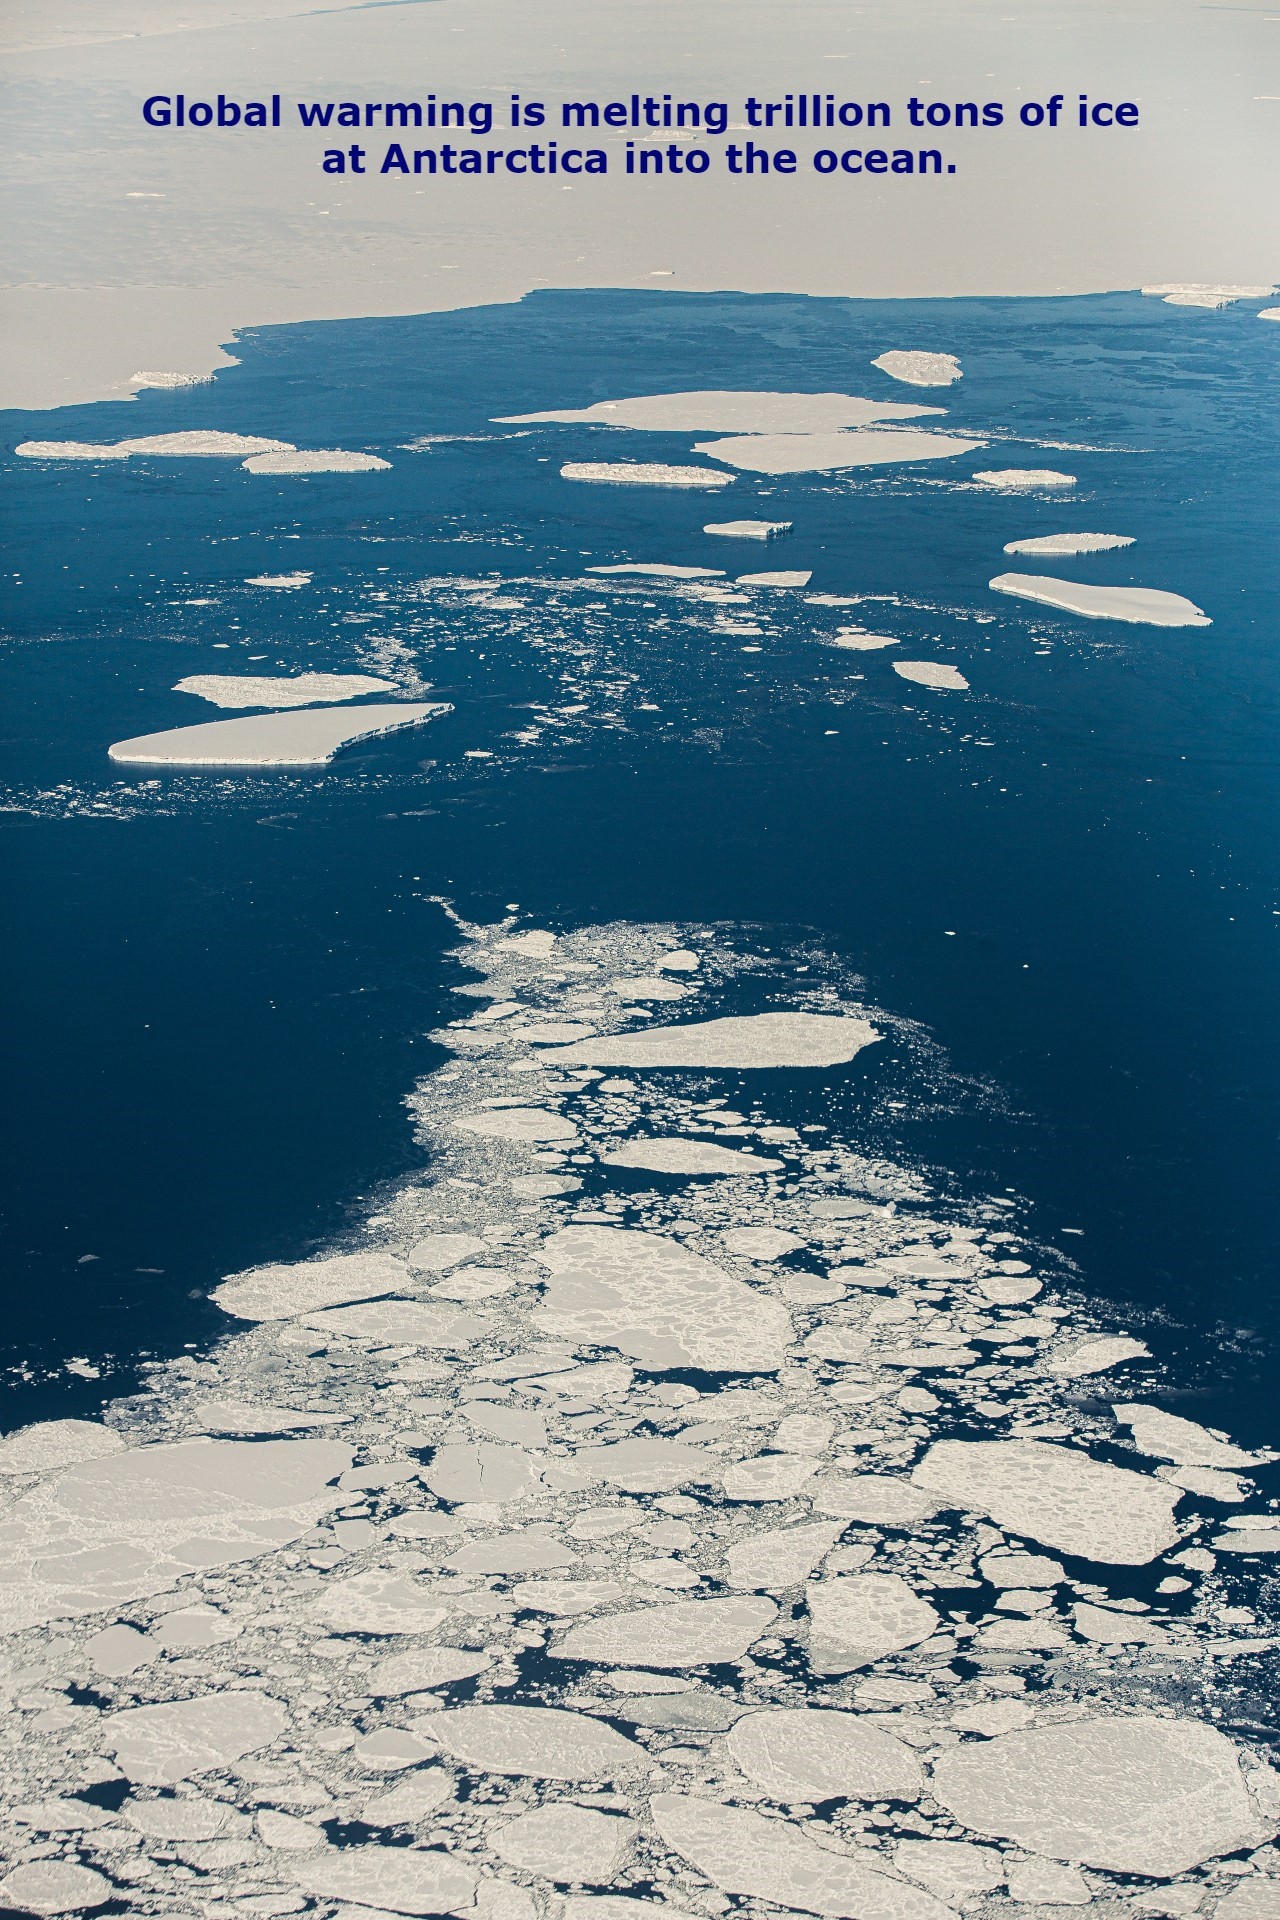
661	571
482	1472
932	673
804	1753
680	1155
1169	1437
518	1123
745	1853
829	452
56	1443
1116	1629
781	1558
750	1040
437	1252
648	1466
68	450
1070	543
953	1869
569	1844
749	529
305	739
266	690
282	580
677	1633
855	1619
1193	293
920	369
722	411
761	1243
1023	479
1265	313
1133	1794
1013	1569
642	473
159	1745
169	382
526	1551
1055	1495
1097	1355
315	460
1146	606
281	1292
424	1669
876	1498
380	1600
412	1880
858	640
774	579
393	1323
655	1300
770	1476
226	446
235	1416
543	1742
54	1886
1046	1882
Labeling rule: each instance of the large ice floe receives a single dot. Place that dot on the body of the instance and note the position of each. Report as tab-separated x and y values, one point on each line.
920	369
832	452
268	690
1145	606
1199	293
932	673
316	460
642	473
721	411
305	738
200	444
666	1502
1069	543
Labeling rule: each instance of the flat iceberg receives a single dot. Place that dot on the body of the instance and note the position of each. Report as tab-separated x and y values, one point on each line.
305	739
828	452
724	411
739	1040
67	450
751	529
774	579
201	445
315	460
1145	606
1023	479
268	690
1194	293
1070	543
643	473
284	580
920	369
932	673
858	640
660	570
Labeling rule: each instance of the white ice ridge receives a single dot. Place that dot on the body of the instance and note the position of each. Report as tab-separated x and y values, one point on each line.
830	452
932	673
304	739
642	473
201	444
315	460
1023	479
269	690
744	1040
283	580
661	571
749	529
1193	293
920	369
1070	543
718	411
1144	606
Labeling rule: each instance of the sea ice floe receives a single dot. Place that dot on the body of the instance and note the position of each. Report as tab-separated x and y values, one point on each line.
653	1299
1265	313
858	640
1009	1568
750	1040
783	1557
1055	1495
1070	543
745	1853
437	1252
54	1886
487	1472
543	1742
770	1476
1023	479
282	580
643	473
663	572
572	1845
803	1753
920	369
718	411
831	452
1147	606
749	529
761	1243
1195	293
56	1443
932	673
237	1417
518	1123
384	1599
877	1499
306	1286
800	579
676	1633
1097	1355
315	460
200	444
409	1880
648	1465
856	1619
1169	1437
680	1155
174	1740
266	690
308	738
68	450
1134	1794
392	1323
1034	1883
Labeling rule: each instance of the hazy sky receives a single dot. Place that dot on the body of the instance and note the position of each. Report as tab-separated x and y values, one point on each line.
134	249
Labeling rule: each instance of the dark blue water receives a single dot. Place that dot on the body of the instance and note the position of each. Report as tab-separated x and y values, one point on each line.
219	986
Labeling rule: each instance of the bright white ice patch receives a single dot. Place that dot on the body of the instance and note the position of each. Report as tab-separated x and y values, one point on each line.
661	571
540	1741
643	473
932	673
1055	1495
1070	543
169	382
305	739
266	690
1023	479
175	1739
719	411
856	1619
316	460
829	452
746	1040
1194	293
305	1286
687	1156
1147	606
680	1633
68	450
748	529
774	579
920	369
284	580
56	1443
805	1753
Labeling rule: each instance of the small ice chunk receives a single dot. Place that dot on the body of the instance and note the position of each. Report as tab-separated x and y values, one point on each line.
1133	1794
162	1744
1070	543
545	1743
316	460
803	1753
920	369
283	581
1196	293
1056	1495
742	1040
423	1670
1023	479
832	452
307	738
267	690
56	1443
782	1557
643	473
855	1619
281	1292
761	1243
1034	1883
953	1869
798	579
679	1633
518	1123
569	1844
54	1886
682	1155
1145	606
411	1880
932	673
748	529
661	571
1097	1356
1168	1436
770	1476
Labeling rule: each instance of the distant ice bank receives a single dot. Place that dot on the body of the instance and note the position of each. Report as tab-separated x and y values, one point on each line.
306	739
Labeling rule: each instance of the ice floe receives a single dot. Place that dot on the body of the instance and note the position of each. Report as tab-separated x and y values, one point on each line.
1265	313
1055	1495
803	1753
643	473
751	1040
748	529
661	571
565	1843
309	738
1196	293
1148	606
540	1741
200	444
68	450
304	1286
678	1633
410	1880
1169	1437
285	581
831	452
774	579
176	1739
1097	1355
856	1619
688	1156
54	1886
719	411
315	460
268	690
56	1443
1070	543
1023	479
920	369
932	673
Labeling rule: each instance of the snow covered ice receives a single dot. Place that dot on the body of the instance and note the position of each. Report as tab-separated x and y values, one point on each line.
268	690
1149	606
307	738
920	369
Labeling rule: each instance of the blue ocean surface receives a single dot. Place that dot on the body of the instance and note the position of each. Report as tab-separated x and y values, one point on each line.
1061	883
